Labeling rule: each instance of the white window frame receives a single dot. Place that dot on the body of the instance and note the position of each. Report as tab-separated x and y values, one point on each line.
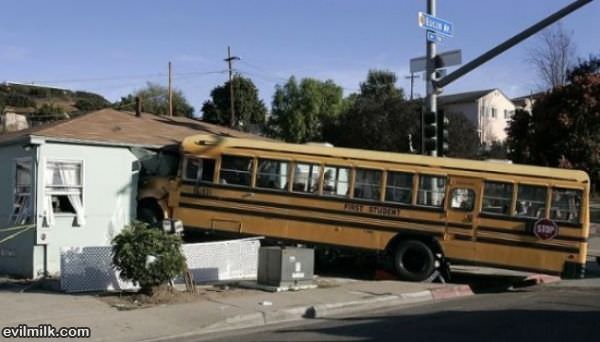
80	187
12	218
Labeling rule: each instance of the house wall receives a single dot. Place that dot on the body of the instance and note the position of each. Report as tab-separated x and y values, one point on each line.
16	254
479	112
109	199
469	109
493	129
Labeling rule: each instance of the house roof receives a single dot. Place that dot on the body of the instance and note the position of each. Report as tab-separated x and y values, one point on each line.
463	97
533	96
113	127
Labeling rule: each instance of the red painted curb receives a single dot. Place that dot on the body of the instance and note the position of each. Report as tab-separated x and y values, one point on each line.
451	292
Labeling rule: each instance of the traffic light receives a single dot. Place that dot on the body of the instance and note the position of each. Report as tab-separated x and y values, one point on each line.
442	134
430	132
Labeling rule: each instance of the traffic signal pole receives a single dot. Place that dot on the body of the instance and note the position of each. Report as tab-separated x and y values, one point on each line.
434	136
431	93
509	43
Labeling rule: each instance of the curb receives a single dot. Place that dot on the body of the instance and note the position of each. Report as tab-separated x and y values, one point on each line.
256	319
538	279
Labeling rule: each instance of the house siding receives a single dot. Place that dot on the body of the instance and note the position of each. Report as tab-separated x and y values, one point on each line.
109	199
16	254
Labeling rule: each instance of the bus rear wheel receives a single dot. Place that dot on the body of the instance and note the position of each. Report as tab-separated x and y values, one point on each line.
413	260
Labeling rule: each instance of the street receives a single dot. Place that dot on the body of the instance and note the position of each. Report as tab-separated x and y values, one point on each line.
548	313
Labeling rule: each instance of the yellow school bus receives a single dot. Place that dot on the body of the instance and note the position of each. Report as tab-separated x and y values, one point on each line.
417	211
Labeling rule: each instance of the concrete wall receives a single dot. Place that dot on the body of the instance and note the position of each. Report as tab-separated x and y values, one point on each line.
16	254
109	199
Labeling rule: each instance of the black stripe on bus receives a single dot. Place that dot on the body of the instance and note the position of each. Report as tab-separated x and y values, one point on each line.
384	218
499	265
310	219
511	243
525	233
340	199
525	219
329	211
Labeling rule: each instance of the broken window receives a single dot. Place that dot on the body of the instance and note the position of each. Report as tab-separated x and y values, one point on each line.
64	191
22	204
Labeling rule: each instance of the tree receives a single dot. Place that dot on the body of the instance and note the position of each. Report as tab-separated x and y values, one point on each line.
462	137
147	256
378	117
301	111
89	101
563	126
49	112
519	136
552	56
155	100
250	110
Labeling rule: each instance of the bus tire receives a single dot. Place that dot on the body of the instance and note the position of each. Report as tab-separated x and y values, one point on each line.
413	260
150	212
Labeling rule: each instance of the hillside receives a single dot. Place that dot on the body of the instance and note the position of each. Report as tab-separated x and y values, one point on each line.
43	104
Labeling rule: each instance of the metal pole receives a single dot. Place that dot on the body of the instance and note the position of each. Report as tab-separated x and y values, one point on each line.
431	97
170	91
412	83
510	43
231	101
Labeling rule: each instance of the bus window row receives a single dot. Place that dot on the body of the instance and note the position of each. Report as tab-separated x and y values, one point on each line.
330	180
530	201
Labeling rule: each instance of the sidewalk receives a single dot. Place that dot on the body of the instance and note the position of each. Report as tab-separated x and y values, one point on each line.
216	312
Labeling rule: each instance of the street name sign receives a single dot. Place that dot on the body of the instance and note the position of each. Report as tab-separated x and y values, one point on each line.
443	60
434	37
436	24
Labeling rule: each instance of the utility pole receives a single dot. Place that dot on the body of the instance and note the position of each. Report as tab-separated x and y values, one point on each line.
229	59
412	83
170	91
431	95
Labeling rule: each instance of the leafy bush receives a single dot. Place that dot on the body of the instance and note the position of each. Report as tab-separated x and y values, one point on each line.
91	104
147	256
18	100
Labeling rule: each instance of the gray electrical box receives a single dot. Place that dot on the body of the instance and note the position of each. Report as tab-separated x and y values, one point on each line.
287	266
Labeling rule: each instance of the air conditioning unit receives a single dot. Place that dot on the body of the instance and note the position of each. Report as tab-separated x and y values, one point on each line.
285	266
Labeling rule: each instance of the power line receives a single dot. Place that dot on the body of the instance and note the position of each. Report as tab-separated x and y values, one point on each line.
124	77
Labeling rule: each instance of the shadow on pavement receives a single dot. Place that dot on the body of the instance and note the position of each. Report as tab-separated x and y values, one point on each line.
499	325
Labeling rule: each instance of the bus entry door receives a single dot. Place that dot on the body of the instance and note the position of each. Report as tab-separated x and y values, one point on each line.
461	207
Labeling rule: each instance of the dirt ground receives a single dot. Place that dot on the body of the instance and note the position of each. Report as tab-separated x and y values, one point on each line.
168	295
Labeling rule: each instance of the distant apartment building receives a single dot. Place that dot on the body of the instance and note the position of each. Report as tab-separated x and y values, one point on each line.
489	110
526	102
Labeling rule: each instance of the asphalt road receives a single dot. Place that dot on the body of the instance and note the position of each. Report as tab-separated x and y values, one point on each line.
543	313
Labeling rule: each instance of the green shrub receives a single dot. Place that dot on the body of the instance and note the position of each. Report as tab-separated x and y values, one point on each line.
147	256
18	100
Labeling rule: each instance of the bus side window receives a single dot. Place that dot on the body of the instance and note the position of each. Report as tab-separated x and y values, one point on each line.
432	190
367	184
191	168
236	170
497	198
306	178
336	181
272	174
462	199
531	201
399	187
566	205
208	170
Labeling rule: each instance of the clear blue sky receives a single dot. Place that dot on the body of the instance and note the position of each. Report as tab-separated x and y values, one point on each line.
113	47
